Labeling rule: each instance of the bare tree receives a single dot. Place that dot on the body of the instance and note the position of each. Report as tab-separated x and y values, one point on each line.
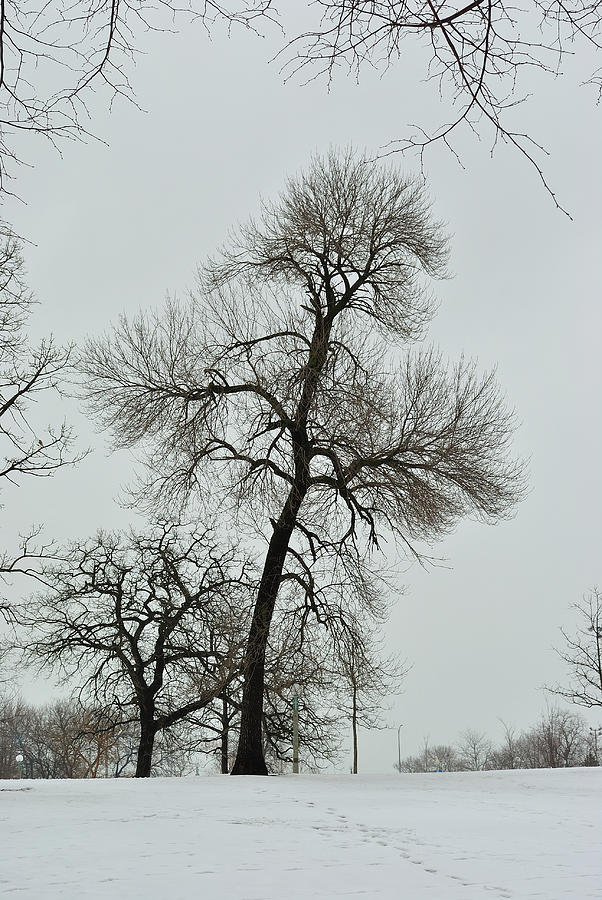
425	757
214	727
54	55
475	54
437	758
302	667
582	653
281	383
324	645
474	750
445	759
29	447
368	679
559	739
508	755
148	628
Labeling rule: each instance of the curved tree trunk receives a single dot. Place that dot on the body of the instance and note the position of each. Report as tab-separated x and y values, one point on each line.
249	757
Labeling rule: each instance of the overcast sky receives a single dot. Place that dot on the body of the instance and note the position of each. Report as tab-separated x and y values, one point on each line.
115	228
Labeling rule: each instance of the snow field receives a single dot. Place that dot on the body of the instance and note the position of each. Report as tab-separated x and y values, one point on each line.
461	836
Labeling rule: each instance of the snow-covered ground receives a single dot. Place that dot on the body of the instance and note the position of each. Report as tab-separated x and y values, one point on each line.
461	836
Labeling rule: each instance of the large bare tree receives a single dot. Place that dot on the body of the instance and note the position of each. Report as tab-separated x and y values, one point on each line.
284	382
148	628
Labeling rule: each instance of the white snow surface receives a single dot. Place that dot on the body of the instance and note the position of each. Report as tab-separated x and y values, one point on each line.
461	836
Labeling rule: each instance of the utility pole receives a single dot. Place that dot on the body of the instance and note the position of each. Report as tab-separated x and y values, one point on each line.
295	731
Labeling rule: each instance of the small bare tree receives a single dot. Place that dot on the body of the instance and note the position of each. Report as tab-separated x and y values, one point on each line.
149	628
437	758
368	680
560	739
582	653
282	383
509	754
474	750
300	665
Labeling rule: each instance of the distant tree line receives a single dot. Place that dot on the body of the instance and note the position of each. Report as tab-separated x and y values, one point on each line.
560	739
64	739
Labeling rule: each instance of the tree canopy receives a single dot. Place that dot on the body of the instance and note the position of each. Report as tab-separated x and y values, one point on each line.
477	56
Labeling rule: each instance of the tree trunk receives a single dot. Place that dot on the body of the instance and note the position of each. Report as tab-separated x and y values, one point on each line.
354	728
225	734
145	746
249	757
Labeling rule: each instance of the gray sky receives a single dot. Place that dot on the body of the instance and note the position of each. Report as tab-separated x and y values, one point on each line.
114	229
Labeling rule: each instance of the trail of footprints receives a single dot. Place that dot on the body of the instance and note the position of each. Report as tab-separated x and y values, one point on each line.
404	842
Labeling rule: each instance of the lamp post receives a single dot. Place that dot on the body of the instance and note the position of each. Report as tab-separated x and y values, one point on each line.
295	729
399	748
595	734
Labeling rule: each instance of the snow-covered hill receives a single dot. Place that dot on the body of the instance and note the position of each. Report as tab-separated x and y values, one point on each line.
521	834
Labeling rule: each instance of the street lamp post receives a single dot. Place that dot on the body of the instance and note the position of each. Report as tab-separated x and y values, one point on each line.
595	734
399	748
296	730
